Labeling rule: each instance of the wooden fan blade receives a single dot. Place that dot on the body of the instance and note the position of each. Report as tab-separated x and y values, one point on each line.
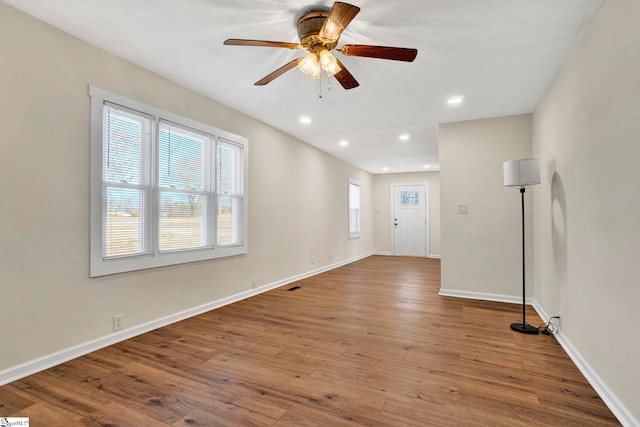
345	78
340	16
277	73
382	52
263	43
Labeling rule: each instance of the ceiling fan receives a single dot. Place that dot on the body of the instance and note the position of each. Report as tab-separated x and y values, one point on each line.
319	30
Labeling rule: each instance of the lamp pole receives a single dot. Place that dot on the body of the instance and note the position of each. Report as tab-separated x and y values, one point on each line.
523	327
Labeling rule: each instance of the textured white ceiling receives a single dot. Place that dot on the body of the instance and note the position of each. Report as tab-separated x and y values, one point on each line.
501	55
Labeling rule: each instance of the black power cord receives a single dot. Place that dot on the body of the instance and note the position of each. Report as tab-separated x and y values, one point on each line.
549	328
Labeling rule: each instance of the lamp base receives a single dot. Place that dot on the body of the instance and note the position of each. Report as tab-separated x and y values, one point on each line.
525	328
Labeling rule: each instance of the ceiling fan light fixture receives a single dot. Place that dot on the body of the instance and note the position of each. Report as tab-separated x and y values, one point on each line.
310	65
329	63
331	31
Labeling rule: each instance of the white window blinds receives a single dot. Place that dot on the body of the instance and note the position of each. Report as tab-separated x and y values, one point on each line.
354	208
126	180
185	185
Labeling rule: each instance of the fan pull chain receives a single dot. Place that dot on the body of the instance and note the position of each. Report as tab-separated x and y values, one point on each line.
320	80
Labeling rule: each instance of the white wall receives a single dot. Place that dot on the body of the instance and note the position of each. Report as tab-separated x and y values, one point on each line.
382	205
48	303
586	132
482	250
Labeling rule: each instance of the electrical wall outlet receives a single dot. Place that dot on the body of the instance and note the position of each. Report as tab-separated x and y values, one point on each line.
118	322
311	260
254	283
463	208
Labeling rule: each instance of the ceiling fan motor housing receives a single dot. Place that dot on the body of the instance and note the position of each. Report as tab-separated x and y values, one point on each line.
309	26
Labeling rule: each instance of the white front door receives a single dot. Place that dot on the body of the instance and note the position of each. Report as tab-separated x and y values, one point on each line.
410	207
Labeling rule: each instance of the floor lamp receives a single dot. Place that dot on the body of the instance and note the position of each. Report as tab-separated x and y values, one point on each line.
520	174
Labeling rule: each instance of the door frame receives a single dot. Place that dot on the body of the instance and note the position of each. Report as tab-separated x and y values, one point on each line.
426	214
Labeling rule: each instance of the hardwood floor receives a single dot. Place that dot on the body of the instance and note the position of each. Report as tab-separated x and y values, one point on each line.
370	343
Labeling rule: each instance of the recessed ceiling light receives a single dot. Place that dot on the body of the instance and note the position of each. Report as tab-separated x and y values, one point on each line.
305	120
427	166
343	143
455	100
385	168
404	137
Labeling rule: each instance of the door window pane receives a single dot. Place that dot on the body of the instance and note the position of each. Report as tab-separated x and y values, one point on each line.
409	198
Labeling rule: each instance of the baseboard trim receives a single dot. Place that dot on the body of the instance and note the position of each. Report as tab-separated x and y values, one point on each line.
610	399
616	406
384	253
485	297
37	365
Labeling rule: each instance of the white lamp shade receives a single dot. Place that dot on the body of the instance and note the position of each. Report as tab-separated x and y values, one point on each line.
521	173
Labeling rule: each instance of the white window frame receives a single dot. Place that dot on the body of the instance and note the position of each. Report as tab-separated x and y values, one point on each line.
100	266
354	183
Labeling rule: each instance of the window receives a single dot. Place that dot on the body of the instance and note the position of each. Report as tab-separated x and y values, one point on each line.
229	194
164	189
354	209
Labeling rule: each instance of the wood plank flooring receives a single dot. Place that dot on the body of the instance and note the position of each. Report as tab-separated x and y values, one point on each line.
370	343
